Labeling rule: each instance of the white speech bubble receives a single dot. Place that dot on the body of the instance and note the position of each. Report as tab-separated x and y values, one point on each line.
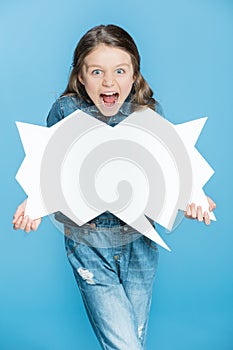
143	167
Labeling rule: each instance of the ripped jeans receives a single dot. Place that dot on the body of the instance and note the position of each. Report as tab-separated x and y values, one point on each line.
114	267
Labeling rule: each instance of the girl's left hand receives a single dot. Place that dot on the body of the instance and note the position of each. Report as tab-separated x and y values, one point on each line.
195	212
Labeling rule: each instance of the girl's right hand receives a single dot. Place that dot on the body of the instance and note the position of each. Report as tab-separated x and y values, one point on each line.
24	222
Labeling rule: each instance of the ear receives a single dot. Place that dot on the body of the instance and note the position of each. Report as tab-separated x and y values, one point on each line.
134	78
80	78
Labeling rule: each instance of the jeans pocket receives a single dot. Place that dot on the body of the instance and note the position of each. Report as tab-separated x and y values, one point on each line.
70	243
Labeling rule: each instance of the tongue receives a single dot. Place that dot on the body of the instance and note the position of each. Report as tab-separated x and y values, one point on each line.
109	99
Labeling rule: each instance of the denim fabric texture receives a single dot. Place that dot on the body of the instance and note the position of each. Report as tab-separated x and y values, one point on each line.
115	284
114	266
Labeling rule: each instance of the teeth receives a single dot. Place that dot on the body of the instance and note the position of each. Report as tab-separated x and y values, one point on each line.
109	93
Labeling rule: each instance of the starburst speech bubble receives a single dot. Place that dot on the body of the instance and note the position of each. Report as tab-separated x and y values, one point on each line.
143	167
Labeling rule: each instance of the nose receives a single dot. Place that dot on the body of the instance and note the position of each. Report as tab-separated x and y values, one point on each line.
108	79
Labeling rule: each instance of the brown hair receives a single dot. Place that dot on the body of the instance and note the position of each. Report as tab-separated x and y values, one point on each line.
115	36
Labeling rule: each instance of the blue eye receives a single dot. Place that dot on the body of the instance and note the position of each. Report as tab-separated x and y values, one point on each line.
96	72
120	71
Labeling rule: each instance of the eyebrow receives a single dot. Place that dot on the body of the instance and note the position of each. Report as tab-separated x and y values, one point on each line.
99	66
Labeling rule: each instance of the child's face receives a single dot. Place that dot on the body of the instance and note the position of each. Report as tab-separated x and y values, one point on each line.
108	76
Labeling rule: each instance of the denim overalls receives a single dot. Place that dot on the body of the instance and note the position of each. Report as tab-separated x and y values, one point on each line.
114	266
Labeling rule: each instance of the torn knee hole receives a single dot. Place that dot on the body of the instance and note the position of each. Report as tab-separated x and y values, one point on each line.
140	330
86	275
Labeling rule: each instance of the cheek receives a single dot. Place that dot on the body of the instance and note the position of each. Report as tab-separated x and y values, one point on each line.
127	86
90	87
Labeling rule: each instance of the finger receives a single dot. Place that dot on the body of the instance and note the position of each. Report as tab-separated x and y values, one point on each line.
20	209
206	218
28	225
35	224
212	204
188	211
24	223
193	211
18	223
199	213
17	214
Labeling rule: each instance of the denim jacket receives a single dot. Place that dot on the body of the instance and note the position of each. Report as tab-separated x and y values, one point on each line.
68	104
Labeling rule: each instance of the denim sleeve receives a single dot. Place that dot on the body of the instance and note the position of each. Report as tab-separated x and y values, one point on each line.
55	114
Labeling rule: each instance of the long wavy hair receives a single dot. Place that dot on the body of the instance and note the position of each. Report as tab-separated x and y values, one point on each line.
114	36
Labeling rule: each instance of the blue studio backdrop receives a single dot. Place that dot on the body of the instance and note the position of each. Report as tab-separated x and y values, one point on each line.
187	54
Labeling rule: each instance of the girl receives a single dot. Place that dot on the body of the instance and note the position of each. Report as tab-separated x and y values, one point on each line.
116	281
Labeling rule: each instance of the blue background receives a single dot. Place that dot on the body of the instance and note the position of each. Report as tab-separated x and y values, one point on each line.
187	55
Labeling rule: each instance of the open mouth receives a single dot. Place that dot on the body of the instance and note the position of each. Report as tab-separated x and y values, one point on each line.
109	98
